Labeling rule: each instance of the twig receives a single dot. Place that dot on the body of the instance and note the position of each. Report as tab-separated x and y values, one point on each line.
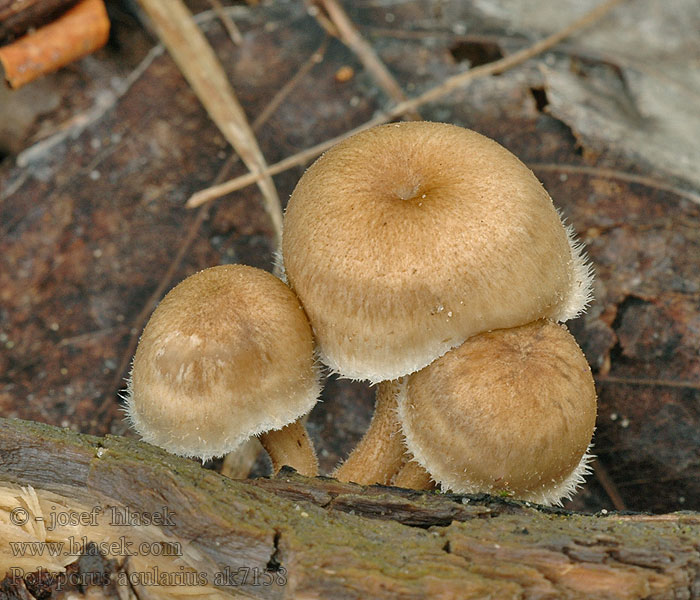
91	335
216	191
449	85
690	385
286	89
74	126
322	19
110	408
686	518
508	62
229	24
78	32
351	37
621	175
198	63
138	323
608	485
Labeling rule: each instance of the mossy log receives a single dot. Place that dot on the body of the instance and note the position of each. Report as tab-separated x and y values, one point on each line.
294	537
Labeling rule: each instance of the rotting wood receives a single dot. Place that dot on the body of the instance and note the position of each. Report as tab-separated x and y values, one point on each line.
321	538
78	32
18	17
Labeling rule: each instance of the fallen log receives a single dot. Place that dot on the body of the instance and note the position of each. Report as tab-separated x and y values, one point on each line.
166	527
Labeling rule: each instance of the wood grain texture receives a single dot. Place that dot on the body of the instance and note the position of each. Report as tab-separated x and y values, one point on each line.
338	540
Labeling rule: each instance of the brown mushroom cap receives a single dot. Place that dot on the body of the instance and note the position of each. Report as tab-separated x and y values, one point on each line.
226	355
406	239
508	411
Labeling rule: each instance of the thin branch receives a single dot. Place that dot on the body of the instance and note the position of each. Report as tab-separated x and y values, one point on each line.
229	24
90	336
216	191
285	90
140	320
322	19
517	58
445	88
608	485
690	385
351	37
621	175
688	518
74	126
198	63
110	409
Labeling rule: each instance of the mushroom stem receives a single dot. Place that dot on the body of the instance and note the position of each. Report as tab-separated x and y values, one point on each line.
380	453
237	464
291	446
414	477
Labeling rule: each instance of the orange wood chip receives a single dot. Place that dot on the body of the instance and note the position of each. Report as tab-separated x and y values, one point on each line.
77	33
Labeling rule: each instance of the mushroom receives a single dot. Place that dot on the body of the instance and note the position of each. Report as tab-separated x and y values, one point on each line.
405	240
516	409
227	354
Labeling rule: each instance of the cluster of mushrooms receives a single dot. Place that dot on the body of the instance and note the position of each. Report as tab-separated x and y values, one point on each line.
424	258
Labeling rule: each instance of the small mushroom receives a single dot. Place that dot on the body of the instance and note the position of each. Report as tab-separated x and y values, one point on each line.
508	412
405	240
227	354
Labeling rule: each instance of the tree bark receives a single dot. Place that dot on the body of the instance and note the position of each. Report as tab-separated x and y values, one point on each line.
16	18
78	32
297	537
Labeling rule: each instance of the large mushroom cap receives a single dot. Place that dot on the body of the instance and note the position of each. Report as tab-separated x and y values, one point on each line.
226	355
406	239
508	411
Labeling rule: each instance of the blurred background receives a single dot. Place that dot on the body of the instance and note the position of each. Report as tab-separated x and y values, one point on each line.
99	158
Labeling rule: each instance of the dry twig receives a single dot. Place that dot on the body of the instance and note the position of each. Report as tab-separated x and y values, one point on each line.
197	61
351	37
445	88
78	32
619	175
236	465
229	24
608	485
